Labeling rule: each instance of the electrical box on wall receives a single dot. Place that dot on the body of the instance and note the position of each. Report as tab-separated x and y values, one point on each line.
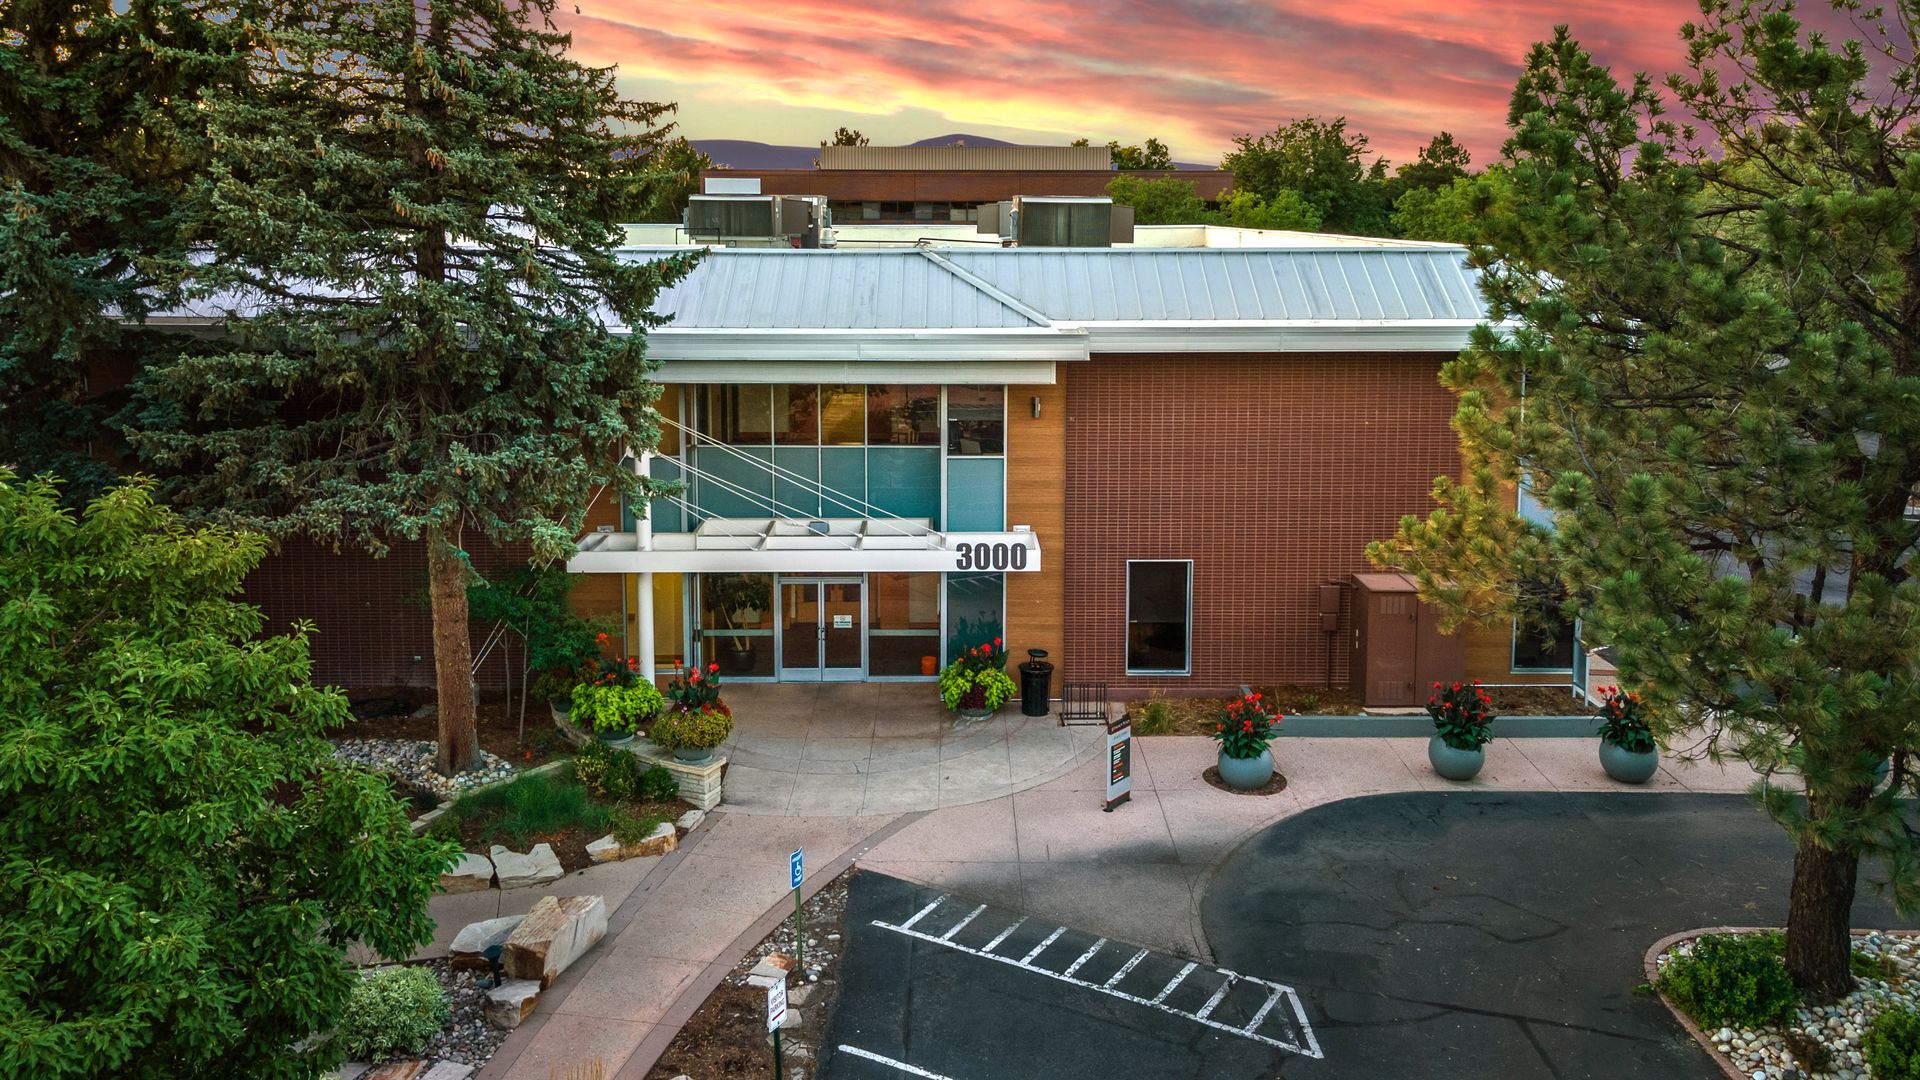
1396	645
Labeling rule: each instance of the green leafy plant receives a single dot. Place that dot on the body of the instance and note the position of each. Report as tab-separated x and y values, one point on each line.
187	861
693	729
1892	1045
977	679
1155	718
606	771
1245	727
1462	715
1621	722
392	1011
610	708
697	689
1734	980
535	804
445	828
658	785
629	828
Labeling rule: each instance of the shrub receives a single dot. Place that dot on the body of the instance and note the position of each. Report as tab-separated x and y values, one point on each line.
606	772
612	708
1735	980
445	828
658	785
1462	715
972	682
688	729
393	1010
1155	718
534	805
631	828
1892	1045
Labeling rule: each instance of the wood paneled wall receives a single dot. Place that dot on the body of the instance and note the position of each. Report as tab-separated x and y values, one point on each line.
1036	497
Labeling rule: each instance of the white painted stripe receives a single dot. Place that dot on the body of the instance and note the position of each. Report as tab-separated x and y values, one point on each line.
1037	949
1084	957
1311	1049
1218	995
922	913
962	924
1272	1000
1002	935
911	1070
1177	979
1126	967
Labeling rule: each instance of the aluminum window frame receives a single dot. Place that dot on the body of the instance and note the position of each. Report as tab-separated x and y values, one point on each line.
1127	630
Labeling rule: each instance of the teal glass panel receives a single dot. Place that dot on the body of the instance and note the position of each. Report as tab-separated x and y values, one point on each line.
904	481
797	488
748	488
666	513
843	471
976	494
976	611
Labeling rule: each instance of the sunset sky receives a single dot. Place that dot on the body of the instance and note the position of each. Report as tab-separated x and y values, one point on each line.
1193	72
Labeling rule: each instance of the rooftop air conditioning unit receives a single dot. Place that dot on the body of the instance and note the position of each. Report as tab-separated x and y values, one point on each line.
760	220
1064	221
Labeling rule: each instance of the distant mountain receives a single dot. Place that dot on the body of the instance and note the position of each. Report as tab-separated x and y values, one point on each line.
747	154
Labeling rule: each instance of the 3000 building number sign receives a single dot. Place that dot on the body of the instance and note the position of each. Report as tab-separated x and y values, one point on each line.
991	556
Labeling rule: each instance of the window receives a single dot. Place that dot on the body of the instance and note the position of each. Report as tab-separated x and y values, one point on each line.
736	623
842	415
976	420
796	415
903	415
1159	617
1544	637
738	415
976	611
903	625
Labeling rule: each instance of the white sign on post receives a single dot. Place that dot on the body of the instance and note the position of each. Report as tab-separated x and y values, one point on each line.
776	1004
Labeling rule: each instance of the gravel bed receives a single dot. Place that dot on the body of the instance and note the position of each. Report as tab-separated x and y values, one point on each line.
466	1039
1838	1029
411	762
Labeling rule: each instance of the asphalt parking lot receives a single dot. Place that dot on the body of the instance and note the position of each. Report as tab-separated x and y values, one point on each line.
1426	934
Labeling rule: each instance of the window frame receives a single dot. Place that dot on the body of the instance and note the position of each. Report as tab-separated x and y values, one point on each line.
1127	628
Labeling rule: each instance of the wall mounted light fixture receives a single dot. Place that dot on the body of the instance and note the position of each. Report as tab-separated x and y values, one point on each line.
1036	407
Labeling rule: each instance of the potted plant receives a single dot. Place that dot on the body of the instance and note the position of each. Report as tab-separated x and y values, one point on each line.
1462	725
1244	730
739	600
976	683
699	721
1627	750
613	711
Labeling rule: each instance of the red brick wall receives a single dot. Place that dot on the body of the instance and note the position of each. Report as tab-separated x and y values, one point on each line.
1271	472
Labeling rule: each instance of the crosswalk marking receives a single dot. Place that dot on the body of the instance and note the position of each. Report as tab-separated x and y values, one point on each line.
1285	1028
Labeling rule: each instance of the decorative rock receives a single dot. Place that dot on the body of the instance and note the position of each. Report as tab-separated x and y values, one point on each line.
536	867
471	874
798	995
448	1070
772	969
555	934
351	1070
658	842
511	1002
691	819
468	951
411	761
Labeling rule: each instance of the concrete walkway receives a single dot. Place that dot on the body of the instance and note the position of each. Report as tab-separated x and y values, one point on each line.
1136	874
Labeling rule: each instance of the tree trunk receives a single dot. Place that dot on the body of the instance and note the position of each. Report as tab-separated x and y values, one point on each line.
452	654
1819	914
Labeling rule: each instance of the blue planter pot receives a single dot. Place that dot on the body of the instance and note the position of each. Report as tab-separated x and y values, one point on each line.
693	755
1628	766
615	738
1246	774
1454	764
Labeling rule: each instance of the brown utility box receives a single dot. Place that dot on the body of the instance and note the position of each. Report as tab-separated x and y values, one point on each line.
1397	649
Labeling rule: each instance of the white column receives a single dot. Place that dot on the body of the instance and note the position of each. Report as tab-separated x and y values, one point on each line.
643	609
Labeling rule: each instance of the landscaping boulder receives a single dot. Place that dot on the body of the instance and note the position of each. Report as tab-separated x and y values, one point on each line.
470	945
471	874
511	1002
771	969
691	819
660	841
397	1070
448	1070
555	934
536	867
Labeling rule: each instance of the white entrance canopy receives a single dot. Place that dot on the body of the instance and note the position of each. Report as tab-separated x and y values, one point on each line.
808	546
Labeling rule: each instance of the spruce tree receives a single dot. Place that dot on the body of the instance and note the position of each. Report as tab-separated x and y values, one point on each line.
1706	364
408	234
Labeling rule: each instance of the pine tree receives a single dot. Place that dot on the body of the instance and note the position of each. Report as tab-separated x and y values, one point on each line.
407	218
92	162
1708	369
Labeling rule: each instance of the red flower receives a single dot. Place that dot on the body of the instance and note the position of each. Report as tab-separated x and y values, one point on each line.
601	637
695	677
713	667
996	641
1246	725
633	664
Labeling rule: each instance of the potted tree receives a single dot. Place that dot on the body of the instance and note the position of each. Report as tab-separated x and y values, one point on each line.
976	683
1627	750
739	600
698	721
1462	726
1244	730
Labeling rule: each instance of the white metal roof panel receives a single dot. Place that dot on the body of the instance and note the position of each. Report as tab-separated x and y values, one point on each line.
739	289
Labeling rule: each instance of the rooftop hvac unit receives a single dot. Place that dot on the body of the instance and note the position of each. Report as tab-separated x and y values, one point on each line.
1060	221
760	220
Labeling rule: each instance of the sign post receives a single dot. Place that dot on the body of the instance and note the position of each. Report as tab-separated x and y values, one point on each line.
1119	761
797	873
776	1012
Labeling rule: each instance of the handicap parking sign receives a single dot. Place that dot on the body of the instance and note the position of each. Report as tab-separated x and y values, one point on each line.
797	867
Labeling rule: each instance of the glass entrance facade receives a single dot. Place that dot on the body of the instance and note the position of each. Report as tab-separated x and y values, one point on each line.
811	627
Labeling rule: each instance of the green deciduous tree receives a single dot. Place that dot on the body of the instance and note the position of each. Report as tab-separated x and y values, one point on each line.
1154	155
847	136
182	861
412	241
1710	374
1458	213
1439	163
1285	209
91	167
1324	164
1161	202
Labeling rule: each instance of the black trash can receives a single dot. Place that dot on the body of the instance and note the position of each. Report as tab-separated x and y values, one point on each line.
1036	683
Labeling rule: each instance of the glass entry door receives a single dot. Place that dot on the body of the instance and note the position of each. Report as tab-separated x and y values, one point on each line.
822	629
